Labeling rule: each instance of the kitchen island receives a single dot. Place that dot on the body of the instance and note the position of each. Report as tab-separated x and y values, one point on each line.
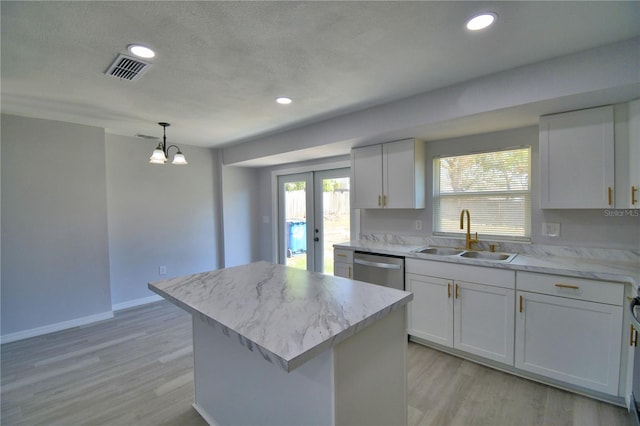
277	345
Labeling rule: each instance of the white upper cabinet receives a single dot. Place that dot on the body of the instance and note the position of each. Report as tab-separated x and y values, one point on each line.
577	159
389	175
366	170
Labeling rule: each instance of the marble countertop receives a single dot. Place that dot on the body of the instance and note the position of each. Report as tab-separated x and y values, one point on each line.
287	315
617	270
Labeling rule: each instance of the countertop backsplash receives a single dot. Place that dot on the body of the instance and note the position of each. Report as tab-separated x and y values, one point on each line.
631	257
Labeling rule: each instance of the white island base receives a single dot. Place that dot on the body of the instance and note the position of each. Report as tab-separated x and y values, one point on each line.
359	381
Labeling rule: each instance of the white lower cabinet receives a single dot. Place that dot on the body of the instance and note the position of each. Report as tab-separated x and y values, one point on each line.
564	330
472	317
431	310
483	321
343	263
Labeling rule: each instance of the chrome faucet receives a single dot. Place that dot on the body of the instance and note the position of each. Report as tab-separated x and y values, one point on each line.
469	241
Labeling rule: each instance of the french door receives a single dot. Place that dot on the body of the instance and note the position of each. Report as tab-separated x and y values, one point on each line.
313	214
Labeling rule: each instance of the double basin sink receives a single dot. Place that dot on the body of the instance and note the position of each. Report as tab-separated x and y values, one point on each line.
468	254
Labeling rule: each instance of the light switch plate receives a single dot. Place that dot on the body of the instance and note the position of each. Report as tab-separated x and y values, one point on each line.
550	229
418	225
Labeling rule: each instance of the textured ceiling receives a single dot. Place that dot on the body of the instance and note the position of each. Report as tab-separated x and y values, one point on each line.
220	65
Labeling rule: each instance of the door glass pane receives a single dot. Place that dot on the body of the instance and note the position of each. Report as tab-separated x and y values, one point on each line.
295	223
335	217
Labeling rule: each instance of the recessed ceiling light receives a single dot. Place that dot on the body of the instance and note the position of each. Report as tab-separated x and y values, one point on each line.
481	21
141	51
283	100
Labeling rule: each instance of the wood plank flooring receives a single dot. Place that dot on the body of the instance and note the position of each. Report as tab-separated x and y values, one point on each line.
137	369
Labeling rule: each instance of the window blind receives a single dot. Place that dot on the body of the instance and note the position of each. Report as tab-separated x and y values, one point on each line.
493	186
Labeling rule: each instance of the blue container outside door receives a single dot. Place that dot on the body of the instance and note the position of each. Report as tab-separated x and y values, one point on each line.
296	237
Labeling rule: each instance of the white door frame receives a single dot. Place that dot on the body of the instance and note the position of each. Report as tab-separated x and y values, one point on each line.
307	178
355	222
318	205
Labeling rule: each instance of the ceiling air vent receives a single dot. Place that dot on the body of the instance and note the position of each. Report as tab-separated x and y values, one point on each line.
127	68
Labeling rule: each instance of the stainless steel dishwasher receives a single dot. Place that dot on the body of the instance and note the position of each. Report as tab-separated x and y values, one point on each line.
379	269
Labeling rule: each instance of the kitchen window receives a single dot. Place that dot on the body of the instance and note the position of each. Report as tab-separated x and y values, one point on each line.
494	186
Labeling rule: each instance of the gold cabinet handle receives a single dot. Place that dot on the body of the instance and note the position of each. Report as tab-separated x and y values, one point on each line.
349	271
379	201
448	290
609	194
573	287
341	255
457	293
633	337
520	303
384	203
634	200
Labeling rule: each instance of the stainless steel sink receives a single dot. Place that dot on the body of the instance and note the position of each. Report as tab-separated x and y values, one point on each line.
441	251
468	254
488	255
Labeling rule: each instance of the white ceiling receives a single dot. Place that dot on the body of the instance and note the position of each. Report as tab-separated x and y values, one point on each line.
220	65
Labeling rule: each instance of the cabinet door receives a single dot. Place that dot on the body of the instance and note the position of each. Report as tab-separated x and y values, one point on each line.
341	269
431	310
483	321
366	170
403	179
577	159
574	341
634	155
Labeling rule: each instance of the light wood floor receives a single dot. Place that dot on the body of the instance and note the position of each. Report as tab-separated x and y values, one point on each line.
137	369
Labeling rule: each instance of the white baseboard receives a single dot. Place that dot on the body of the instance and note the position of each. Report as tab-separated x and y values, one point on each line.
38	331
135	302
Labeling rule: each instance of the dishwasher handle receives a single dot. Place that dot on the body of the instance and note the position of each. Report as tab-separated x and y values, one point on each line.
377	264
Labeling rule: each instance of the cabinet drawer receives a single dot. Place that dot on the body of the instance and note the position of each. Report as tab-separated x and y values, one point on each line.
455	271
574	288
342	255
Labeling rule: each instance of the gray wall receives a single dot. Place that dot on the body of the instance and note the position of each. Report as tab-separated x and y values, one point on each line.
159	216
55	262
585	228
240	194
87	221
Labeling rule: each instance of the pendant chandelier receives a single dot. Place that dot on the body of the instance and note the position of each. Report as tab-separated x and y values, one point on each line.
161	152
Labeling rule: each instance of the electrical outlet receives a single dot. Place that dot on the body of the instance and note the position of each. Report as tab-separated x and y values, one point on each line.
418	225
162	270
551	229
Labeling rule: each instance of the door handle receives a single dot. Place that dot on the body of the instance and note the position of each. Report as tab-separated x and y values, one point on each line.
634	319
316	239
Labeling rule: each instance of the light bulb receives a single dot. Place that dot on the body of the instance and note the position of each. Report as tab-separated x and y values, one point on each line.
481	21
179	159
158	157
